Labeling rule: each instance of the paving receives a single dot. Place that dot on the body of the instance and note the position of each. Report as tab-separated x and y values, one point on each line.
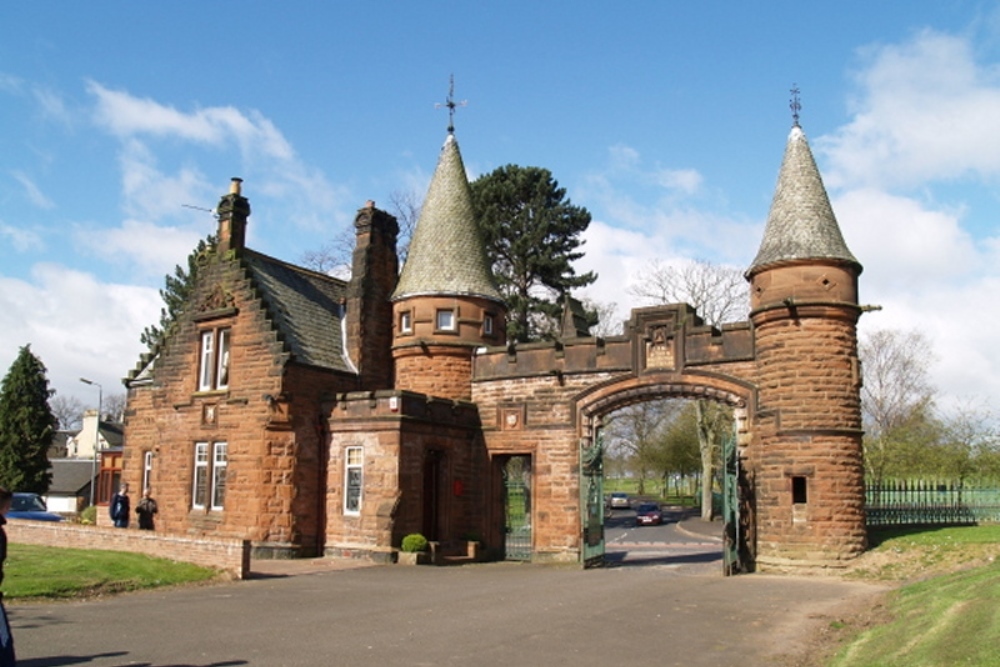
676	610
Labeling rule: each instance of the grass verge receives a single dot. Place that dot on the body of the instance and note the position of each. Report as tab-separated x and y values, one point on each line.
36	572
947	611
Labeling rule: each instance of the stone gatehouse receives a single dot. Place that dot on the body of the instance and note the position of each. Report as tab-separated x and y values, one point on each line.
312	415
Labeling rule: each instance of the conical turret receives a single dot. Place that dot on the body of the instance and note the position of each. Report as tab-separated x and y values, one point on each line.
801	224
446	304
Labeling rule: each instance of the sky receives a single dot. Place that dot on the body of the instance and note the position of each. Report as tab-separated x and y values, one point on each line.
121	124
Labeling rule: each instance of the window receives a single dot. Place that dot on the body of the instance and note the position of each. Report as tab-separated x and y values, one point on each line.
800	493
405	322
487	325
219	463
209	489
353	479
214	360
147	470
446	320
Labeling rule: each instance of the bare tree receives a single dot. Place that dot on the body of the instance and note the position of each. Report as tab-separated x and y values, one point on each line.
113	409
335	256
896	394
68	410
719	294
638	432
609	323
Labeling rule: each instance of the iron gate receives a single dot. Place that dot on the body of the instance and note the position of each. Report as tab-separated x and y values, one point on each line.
517	508
592	500
731	508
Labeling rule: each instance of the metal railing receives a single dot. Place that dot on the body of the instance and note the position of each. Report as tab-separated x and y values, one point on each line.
927	502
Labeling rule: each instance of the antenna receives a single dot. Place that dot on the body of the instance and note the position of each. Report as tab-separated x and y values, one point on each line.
214	212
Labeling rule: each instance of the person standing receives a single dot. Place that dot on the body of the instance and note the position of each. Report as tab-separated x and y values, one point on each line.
7	658
120	507
145	509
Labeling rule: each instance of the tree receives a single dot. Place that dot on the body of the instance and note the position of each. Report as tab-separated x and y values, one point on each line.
719	295
176	291
335	256
68	411
678	454
26	425
532	235
896	396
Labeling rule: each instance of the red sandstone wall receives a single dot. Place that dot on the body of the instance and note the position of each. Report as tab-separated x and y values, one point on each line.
231	556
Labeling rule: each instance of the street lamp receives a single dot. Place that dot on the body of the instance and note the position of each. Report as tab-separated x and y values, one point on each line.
97	436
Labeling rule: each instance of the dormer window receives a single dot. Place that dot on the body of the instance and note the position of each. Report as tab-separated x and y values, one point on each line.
405	322
446	320
213	372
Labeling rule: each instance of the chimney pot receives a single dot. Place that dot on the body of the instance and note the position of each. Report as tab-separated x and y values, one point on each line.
234	185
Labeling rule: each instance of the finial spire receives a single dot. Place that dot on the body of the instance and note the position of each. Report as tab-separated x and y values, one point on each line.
451	104
794	104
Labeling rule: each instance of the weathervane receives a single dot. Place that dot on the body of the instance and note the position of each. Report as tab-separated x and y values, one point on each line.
795	105
451	104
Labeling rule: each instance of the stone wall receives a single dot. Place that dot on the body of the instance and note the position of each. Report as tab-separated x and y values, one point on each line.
232	556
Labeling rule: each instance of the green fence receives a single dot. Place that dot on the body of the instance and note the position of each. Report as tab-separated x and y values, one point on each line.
923	502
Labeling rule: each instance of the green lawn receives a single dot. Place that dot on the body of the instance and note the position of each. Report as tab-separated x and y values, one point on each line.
944	619
34	572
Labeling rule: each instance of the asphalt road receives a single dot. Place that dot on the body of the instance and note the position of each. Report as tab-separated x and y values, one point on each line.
653	613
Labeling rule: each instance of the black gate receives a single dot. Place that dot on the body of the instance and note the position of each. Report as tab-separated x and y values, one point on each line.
732	527
517	508
592	500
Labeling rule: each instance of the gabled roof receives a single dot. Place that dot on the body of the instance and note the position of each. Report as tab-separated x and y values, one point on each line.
446	255
801	224
306	309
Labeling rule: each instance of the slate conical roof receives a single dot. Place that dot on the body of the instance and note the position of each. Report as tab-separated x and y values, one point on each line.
801	224
446	255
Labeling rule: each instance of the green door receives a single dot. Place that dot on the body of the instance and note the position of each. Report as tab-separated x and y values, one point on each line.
592	500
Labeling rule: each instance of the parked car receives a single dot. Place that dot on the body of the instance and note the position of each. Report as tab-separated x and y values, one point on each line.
617	501
30	506
648	514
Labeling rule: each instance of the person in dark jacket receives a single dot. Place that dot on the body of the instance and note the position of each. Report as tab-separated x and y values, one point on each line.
120	507
7	658
145	509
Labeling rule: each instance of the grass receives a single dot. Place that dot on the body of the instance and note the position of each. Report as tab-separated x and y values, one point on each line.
35	572
949	614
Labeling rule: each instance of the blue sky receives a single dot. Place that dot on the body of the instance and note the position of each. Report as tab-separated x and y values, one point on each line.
667	120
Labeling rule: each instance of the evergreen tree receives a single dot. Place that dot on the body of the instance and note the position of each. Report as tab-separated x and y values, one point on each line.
176	291
26	425
532	236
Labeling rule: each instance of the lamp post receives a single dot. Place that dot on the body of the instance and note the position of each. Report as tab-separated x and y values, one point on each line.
97	436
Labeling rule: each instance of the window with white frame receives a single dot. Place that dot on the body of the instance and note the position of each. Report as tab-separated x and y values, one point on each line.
219	463
405	322
353	479
446	320
488	324
213	372
147	470
209	485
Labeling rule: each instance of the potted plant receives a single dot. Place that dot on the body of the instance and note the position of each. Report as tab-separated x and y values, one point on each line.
413	550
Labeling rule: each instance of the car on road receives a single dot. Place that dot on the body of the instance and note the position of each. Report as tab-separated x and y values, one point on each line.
30	506
648	514
618	501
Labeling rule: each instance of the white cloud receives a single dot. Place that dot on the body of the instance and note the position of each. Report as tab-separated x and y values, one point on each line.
23	240
32	191
925	110
76	325
152	250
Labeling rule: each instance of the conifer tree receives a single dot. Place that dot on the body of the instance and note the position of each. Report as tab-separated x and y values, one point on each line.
176	290
26	425
532	235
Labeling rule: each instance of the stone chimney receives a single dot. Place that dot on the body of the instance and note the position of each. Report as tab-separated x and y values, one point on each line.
233	211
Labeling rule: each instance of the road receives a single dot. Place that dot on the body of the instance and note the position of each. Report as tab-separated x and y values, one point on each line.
667	545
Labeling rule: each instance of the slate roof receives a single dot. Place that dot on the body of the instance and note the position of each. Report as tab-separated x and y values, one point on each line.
801	224
446	255
306	307
70	476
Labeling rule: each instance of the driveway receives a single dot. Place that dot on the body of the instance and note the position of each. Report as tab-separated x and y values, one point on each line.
662	613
